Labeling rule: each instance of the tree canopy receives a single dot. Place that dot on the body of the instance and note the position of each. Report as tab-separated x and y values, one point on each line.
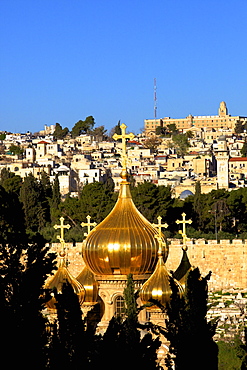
60	133
187	328
181	143
83	127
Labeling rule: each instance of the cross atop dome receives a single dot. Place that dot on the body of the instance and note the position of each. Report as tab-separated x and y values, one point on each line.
88	224
159	225
62	227
124	138
183	233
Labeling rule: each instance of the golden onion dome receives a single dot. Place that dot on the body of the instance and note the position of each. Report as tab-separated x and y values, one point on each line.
63	276
158	287
124	242
87	279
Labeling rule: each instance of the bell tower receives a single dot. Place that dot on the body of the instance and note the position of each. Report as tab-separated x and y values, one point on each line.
223	111
222	158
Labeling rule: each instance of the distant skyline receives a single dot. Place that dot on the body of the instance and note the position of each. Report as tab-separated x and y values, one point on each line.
62	61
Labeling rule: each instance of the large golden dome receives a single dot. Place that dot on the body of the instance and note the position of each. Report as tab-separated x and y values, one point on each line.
124	242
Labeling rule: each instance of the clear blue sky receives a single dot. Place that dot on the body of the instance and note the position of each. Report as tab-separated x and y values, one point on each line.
61	61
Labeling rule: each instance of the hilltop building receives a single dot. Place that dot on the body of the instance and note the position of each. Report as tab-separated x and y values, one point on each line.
221	121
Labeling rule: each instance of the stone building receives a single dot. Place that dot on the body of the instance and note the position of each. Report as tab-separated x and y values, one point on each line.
221	121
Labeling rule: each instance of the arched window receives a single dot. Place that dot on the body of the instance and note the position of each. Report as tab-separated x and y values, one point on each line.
119	306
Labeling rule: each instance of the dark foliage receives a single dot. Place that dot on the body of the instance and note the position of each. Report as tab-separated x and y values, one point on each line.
187	328
24	268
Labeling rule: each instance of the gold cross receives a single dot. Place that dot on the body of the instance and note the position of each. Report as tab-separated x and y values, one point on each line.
88	224
61	237
183	233
159	225
124	136
62	227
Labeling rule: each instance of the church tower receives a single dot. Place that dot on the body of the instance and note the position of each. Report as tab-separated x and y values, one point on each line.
222	158
223	111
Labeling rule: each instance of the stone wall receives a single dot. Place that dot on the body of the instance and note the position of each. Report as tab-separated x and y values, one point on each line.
75	262
227	260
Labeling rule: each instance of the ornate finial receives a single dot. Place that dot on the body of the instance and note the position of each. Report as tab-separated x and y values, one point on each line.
183	233
61	237
88	224
124	136
159	225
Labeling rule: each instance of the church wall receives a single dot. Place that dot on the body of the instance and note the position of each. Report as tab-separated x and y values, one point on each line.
227	260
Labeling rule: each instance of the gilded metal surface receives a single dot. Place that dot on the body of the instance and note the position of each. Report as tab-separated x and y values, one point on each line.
124	242
158	285
87	279
61	277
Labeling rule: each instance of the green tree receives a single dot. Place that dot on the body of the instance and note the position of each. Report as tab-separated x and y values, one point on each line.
187	328
243	151
189	134
197	205
141	353
116	130
123	340
34	205
97	201
99	133
60	133
145	197
12	227
160	131
165	202
181	143
237	205
69	343
24	268
172	128
231	354
83	127
16	150
244	348
10	181
239	128
152	143
56	198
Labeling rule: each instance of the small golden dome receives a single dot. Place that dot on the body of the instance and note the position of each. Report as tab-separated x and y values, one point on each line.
87	279
124	242
158	286
62	276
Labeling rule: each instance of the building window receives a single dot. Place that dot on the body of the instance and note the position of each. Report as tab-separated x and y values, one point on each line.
119	306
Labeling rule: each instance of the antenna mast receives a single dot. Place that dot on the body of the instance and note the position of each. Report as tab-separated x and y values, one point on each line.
155	99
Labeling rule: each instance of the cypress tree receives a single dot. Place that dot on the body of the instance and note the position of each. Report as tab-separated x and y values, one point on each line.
24	267
197	205
34	205
70	337
187	329
56	199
